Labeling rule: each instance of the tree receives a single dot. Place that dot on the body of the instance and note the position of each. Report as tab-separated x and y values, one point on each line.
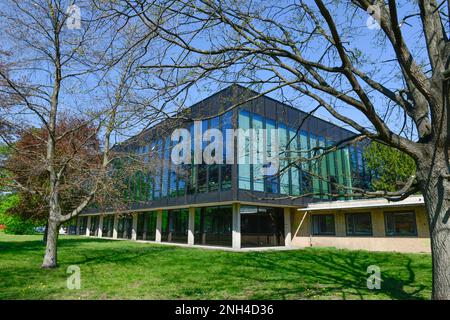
25	165
394	91
63	58
389	167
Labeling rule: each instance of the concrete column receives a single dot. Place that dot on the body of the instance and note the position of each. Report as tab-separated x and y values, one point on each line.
100	226
236	240
191	226
88	226
134	227
158	226
116	222
287	227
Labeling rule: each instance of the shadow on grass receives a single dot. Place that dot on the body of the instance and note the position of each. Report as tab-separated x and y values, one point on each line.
310	273
327	272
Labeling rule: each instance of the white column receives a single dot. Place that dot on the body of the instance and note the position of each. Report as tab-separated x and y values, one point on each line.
134	227
100	226
88	226
158	226
236	240
287	227
116	221
191	226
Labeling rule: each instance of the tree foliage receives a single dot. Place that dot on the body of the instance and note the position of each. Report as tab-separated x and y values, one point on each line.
26	166
389	168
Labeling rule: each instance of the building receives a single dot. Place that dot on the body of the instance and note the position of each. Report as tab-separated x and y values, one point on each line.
233	205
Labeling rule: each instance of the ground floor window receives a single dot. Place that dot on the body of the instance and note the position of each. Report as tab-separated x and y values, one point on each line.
146	226
82	225
400	223
213	226
323	224
72	226
124	226
174	227
262	226
358	224
93	228
108	226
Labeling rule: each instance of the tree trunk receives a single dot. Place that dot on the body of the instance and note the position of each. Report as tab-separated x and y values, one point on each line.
50	258
435	187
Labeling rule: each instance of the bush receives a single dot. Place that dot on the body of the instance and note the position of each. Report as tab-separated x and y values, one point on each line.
14	224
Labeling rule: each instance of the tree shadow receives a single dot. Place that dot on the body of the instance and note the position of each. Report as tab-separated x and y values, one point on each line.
337	272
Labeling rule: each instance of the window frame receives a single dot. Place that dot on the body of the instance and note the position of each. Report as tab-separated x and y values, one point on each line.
386	213
348	214
321	215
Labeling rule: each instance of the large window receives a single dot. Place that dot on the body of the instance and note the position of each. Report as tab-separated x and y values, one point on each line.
82	224
262	226
213	175
93	228
244	157
359	224
146	226
294	170
400	224
227	123
213	226
124	226
108	226
175	225
271	181
323	225
284	158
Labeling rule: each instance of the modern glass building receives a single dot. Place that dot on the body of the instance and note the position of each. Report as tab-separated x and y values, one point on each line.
232	204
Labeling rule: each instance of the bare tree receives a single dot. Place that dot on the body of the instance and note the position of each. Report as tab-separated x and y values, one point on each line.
69	60
394	92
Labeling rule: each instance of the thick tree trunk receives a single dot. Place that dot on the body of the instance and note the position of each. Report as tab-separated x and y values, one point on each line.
435	187
50	258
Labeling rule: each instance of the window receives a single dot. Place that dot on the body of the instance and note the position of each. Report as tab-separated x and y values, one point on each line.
283	140
323	224
244	158
261	226
227	123
213	226
257	152
358	224
400	224
271	181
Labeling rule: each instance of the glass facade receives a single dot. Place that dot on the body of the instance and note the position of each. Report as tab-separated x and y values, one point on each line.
174	227
262	226
306	169
323	176
82	225
108	226
213	226
146	226
124	226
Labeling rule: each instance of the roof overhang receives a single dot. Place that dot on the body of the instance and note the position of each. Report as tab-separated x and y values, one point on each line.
362	204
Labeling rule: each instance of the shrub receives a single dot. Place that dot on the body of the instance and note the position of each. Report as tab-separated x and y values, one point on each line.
13	224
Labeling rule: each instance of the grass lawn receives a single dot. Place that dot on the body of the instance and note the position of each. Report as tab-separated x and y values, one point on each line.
128	270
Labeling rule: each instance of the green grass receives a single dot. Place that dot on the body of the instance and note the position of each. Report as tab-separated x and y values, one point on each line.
128	270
